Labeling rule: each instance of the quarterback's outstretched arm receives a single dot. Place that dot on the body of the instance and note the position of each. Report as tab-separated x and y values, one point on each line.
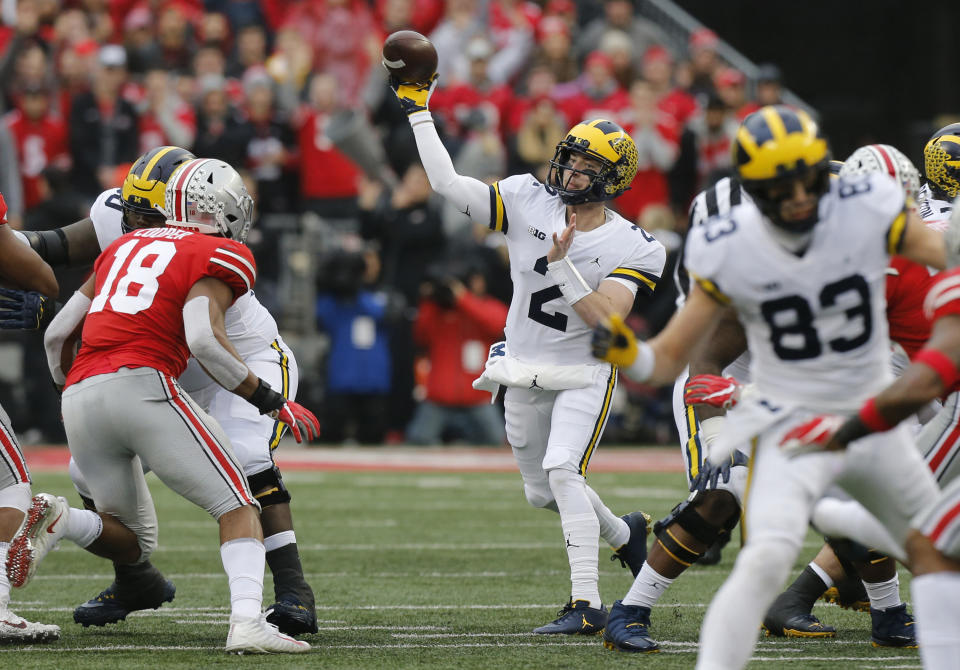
471	196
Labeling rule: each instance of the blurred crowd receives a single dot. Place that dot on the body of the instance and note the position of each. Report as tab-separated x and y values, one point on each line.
409	293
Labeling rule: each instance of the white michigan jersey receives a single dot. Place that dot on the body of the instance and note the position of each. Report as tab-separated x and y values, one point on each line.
816	323
541	326
249	325
717	200
935	213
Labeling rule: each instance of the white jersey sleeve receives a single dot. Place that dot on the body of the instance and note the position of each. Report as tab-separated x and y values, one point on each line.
934	212
107	217
518	196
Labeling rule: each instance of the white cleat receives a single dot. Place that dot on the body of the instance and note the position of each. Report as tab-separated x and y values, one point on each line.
45	524
17	630
256	636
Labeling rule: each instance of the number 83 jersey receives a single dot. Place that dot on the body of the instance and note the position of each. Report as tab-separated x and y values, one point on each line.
541	326
815	322
142	282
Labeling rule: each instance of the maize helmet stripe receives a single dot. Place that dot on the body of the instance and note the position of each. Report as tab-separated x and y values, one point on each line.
600	136
148	168
775	124
771	142
144	188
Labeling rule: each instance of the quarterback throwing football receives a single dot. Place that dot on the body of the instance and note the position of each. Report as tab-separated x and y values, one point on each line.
572	262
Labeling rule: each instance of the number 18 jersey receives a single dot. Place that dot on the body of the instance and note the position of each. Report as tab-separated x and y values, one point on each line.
816	324
142	282
541	326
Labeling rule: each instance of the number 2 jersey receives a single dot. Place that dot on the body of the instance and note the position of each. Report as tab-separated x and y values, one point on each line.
815	323
142	283
541	326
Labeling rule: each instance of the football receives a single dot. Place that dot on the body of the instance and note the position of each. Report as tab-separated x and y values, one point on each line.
409	56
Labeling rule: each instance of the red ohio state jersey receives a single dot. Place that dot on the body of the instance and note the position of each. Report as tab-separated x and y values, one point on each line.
907	284
143	278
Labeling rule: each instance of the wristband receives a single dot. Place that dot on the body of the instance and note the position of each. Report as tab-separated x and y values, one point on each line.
571	282
852	429
48	310
266	399
872	419
642	366
941	364
419	118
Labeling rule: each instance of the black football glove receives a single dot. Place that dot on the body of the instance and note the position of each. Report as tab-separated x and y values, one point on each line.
414	97
710	474
25	310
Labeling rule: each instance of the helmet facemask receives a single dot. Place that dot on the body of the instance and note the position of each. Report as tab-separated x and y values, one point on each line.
591	139
561	173
771	194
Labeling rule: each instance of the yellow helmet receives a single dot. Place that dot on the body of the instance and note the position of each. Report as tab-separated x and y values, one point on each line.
775	146
143	189
941	162
605	142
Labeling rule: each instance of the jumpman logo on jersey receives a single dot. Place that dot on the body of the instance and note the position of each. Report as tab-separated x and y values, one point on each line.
466	212
596	260
576	546
534	384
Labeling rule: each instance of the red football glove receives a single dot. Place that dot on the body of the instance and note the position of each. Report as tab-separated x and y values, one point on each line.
295	416
813	435
713	390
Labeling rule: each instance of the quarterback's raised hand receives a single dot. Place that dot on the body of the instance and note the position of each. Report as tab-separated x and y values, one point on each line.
712	390
710	474
25	310
414	97
300	419
814	435
614	342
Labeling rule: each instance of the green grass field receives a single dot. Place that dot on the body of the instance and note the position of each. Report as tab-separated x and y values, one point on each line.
411	570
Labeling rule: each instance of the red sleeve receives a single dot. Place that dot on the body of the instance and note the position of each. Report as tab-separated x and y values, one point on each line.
232	263
943	298
3	210
489	313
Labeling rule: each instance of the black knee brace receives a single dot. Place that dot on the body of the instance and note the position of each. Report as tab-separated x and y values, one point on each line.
267	487
685	516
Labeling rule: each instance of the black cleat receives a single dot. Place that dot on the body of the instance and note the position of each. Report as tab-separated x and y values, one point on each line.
576	618
292	617
801	624
112	605
893	627
634	552
628	629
